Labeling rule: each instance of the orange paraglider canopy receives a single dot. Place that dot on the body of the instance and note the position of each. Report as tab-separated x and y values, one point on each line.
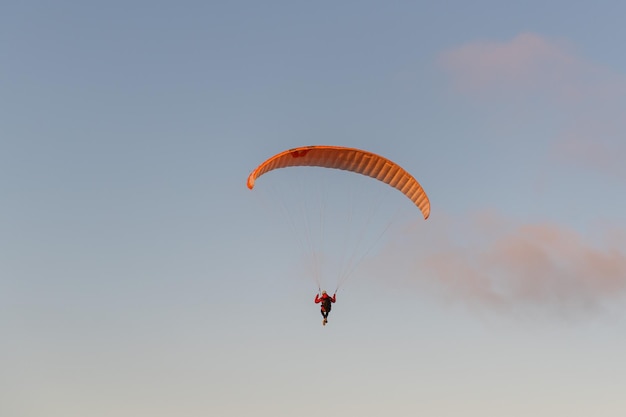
349	159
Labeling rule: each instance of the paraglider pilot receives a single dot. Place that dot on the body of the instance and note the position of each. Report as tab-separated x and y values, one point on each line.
326	301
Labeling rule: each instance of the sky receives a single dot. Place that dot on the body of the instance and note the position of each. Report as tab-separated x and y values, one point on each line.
140	276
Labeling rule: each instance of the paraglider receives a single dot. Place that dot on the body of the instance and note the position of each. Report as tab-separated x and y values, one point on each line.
337	158
326	306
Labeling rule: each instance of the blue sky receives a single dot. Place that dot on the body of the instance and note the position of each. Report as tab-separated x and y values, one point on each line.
139	275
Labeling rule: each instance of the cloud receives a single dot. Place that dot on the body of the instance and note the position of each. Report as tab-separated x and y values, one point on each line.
593	142
598	155
572	109
489	261
582	101
529	64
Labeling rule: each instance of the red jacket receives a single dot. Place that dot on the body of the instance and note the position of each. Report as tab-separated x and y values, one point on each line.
319	299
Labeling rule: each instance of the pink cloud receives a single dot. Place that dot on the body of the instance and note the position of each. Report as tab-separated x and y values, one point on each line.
594	145
548	78
529	64
497	264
